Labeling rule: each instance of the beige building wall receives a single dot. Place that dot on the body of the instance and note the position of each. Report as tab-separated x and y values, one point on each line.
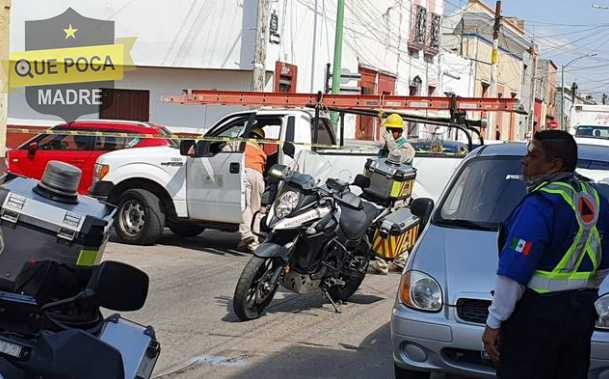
510	71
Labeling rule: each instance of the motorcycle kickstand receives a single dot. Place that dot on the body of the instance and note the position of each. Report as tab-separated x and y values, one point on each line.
336	304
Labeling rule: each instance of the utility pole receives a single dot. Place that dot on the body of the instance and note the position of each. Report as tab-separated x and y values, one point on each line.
314	58
533	91
5	28
338	51
494	68
259	72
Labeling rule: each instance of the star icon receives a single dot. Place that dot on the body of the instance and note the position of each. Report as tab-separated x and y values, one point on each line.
70	32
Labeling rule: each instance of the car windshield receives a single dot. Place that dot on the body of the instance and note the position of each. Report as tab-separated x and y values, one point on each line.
484	194
486	191
590	131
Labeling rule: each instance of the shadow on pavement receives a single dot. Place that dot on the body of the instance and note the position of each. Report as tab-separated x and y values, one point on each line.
288	302
371	359
210	242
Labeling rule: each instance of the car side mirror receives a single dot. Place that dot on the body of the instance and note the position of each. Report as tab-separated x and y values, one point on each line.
32	148
361	181
422	208
289	149
119	287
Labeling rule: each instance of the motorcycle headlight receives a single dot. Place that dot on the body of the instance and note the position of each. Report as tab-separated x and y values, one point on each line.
286	204
602	308
420	291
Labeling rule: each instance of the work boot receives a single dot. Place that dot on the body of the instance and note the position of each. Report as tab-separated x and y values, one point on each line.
378	266
244	244
398	262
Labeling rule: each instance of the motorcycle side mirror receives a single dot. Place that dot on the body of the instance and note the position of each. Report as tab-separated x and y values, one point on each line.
32	148
289	149
422	208
278	171
361	181
119	287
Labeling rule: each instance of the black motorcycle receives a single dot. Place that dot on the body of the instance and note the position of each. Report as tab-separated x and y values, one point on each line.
51	326
318	238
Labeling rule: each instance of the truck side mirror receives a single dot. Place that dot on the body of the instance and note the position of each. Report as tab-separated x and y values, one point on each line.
187	147
289	149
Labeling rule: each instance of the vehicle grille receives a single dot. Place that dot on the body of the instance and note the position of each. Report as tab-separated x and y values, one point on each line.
473	310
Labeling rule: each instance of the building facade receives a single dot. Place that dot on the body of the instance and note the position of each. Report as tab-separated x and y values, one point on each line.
393	45
470	31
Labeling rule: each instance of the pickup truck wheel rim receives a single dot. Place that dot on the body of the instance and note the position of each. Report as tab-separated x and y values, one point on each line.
132	217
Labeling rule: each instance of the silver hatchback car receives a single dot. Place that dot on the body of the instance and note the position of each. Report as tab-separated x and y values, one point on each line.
441	307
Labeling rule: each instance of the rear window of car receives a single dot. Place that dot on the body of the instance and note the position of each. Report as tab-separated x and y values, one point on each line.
165	132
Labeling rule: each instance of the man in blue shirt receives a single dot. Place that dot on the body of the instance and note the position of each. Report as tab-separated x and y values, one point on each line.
550	268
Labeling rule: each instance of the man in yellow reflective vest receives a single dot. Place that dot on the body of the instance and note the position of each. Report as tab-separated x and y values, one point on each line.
551	265
393	135
255	164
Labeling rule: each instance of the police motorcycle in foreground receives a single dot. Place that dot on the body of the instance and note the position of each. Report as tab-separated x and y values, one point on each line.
53	284
58	332
318	238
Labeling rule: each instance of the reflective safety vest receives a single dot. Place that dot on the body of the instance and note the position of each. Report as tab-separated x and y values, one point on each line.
587	242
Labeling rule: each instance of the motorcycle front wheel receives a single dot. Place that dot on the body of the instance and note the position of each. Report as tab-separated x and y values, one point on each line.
254	290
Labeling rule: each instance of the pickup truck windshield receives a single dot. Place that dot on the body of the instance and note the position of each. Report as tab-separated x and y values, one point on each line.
590	131
483	195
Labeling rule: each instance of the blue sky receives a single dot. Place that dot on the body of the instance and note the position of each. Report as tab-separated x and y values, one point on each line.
564	30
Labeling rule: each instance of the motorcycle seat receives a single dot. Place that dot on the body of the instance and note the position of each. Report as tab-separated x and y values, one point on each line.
355	223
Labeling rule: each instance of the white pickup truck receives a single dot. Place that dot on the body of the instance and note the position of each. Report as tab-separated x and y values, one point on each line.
158	187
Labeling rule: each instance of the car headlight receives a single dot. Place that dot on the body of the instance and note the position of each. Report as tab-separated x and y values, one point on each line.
100	171
286	204
602	308
420	291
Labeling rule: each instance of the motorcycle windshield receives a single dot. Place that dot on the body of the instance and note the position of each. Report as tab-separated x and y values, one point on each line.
313	164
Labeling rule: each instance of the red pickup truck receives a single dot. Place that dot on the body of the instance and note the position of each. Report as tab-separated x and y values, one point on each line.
31	158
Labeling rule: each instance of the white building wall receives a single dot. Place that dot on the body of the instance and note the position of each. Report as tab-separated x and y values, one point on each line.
457	75
160	81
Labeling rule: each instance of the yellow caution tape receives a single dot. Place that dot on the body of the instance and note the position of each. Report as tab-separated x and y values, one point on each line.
177	137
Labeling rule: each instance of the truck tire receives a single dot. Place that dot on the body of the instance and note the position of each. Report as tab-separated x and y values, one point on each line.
185	229
140	219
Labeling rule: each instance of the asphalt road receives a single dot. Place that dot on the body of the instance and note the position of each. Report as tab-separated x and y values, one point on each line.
190	306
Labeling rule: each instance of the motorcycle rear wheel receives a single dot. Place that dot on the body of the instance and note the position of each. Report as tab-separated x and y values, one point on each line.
253	292
343	293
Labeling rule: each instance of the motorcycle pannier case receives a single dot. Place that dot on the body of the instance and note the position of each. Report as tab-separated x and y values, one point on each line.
136	343
389	181
395	234
37	228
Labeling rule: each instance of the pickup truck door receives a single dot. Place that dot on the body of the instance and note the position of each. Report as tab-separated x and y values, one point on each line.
215	189
216	185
